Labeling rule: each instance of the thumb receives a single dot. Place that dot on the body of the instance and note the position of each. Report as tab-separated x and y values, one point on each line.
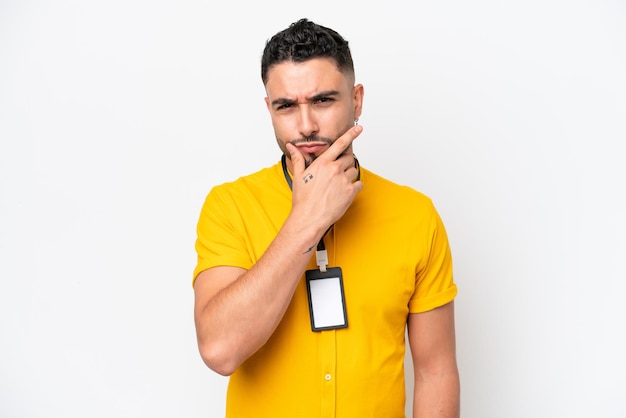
297	160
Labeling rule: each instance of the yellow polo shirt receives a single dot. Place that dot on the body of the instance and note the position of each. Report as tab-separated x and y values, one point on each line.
393	251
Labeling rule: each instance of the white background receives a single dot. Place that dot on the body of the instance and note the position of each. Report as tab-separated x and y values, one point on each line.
117	117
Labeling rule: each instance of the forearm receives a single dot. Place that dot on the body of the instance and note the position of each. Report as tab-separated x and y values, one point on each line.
437	395
241	317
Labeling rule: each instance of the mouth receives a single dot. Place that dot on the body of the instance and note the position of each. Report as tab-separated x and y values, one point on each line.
312	147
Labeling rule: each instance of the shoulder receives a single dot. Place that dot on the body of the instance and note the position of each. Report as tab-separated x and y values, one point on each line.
258	177
380	188
266	179
264	190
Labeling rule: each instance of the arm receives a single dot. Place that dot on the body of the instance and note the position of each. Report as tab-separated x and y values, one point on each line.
432	341
237	310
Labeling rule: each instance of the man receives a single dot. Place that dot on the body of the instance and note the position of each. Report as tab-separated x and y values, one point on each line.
310	271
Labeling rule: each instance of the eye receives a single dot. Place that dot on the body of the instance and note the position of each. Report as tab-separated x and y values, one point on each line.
324	100
284	106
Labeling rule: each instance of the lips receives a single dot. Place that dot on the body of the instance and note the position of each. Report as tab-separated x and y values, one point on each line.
312	147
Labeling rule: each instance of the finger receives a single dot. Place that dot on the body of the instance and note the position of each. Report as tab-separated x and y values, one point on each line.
342	143
352	173
297	160
346	161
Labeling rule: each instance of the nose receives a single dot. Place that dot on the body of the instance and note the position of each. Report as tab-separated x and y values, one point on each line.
307	123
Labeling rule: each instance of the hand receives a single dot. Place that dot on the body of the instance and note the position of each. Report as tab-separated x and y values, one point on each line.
323	192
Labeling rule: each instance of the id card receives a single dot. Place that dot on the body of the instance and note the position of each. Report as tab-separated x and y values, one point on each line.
327	304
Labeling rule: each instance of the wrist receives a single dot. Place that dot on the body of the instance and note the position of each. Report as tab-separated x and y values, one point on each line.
302	232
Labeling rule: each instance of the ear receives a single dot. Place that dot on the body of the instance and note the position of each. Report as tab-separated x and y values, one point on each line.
267	103
357	99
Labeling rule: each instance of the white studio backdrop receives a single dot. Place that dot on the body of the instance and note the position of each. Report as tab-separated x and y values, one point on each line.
116	119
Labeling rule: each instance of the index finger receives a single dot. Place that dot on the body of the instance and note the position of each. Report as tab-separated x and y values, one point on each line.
342	143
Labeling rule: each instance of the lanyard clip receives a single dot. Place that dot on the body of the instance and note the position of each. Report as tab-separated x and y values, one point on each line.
321	257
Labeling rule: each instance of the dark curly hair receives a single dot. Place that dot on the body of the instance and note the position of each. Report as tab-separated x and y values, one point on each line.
305	40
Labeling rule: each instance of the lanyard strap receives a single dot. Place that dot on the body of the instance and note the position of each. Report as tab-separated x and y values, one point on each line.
321	255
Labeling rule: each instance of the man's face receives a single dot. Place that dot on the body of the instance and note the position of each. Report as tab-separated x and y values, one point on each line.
311	104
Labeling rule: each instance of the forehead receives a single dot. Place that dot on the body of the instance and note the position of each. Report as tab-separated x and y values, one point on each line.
304	79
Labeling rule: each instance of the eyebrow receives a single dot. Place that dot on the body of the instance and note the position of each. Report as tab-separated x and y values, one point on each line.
320	95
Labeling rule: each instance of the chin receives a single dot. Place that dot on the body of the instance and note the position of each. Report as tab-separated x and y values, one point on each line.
308	159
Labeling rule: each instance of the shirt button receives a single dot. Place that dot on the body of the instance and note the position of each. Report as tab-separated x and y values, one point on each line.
328	376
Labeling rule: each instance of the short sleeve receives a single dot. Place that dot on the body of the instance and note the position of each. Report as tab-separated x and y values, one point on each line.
219	239
434	282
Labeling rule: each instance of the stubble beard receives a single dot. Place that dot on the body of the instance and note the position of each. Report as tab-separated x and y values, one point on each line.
309	158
